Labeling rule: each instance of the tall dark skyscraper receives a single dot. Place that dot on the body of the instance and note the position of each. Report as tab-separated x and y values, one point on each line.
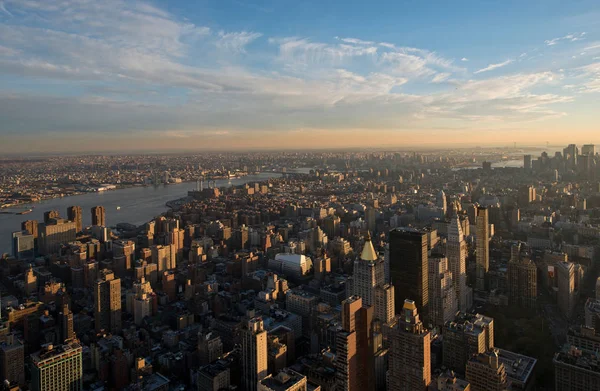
98	216
74	214
409	268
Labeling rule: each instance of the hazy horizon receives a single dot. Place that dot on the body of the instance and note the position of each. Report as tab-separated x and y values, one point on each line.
118	76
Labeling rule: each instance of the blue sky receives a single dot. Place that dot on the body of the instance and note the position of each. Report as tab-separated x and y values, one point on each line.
214	74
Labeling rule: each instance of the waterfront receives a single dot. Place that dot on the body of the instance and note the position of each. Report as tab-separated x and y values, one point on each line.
137	205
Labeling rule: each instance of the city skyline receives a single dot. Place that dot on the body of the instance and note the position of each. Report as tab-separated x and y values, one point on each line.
136	76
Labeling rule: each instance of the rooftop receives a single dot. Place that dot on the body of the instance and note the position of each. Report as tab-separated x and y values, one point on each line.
50	352
518	367
283	381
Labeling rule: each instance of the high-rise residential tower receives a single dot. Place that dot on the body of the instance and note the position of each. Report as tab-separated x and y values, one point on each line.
99	216
410	360
254	354
442	296
74	213
107	295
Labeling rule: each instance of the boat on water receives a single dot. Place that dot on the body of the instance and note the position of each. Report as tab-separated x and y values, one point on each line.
118	208
24	212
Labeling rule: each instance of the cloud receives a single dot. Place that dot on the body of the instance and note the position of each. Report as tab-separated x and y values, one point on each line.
136	67
569	37
236	41
464	59
3	9
356	41
491	67
440	77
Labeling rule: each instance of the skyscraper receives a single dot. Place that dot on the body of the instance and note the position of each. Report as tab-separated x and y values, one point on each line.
527	162
368	273
409	361
74	213
441	201
409	267
566	287
588	150
66	324
57	368
522	282
442	296
456	251
254	354
385	309
354	354
98	216
482	247
107	295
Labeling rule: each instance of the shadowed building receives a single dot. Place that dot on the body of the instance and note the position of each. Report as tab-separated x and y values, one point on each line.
409	267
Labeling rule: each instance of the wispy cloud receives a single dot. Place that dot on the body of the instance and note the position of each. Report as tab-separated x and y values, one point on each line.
3	9
236	41
569	37
464	59
356	41
491	67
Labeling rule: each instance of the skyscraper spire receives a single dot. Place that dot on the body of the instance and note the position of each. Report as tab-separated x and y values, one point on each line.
368	252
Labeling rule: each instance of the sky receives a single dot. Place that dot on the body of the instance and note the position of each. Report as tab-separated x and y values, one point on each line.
88	75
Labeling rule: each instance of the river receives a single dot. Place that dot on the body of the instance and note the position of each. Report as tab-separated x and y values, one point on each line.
137	205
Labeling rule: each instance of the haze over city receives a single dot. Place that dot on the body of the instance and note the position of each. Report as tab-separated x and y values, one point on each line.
165	75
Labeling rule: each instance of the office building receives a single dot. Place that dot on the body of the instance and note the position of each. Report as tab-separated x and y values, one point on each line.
53	233
566	295
57	368
443	304
522	282
408	268
75	214
368	274
576	370
99	216
456	251
23	245
254	354
486	372
465	336
409	355
285	380
107	297
12	360
482	247
588	150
